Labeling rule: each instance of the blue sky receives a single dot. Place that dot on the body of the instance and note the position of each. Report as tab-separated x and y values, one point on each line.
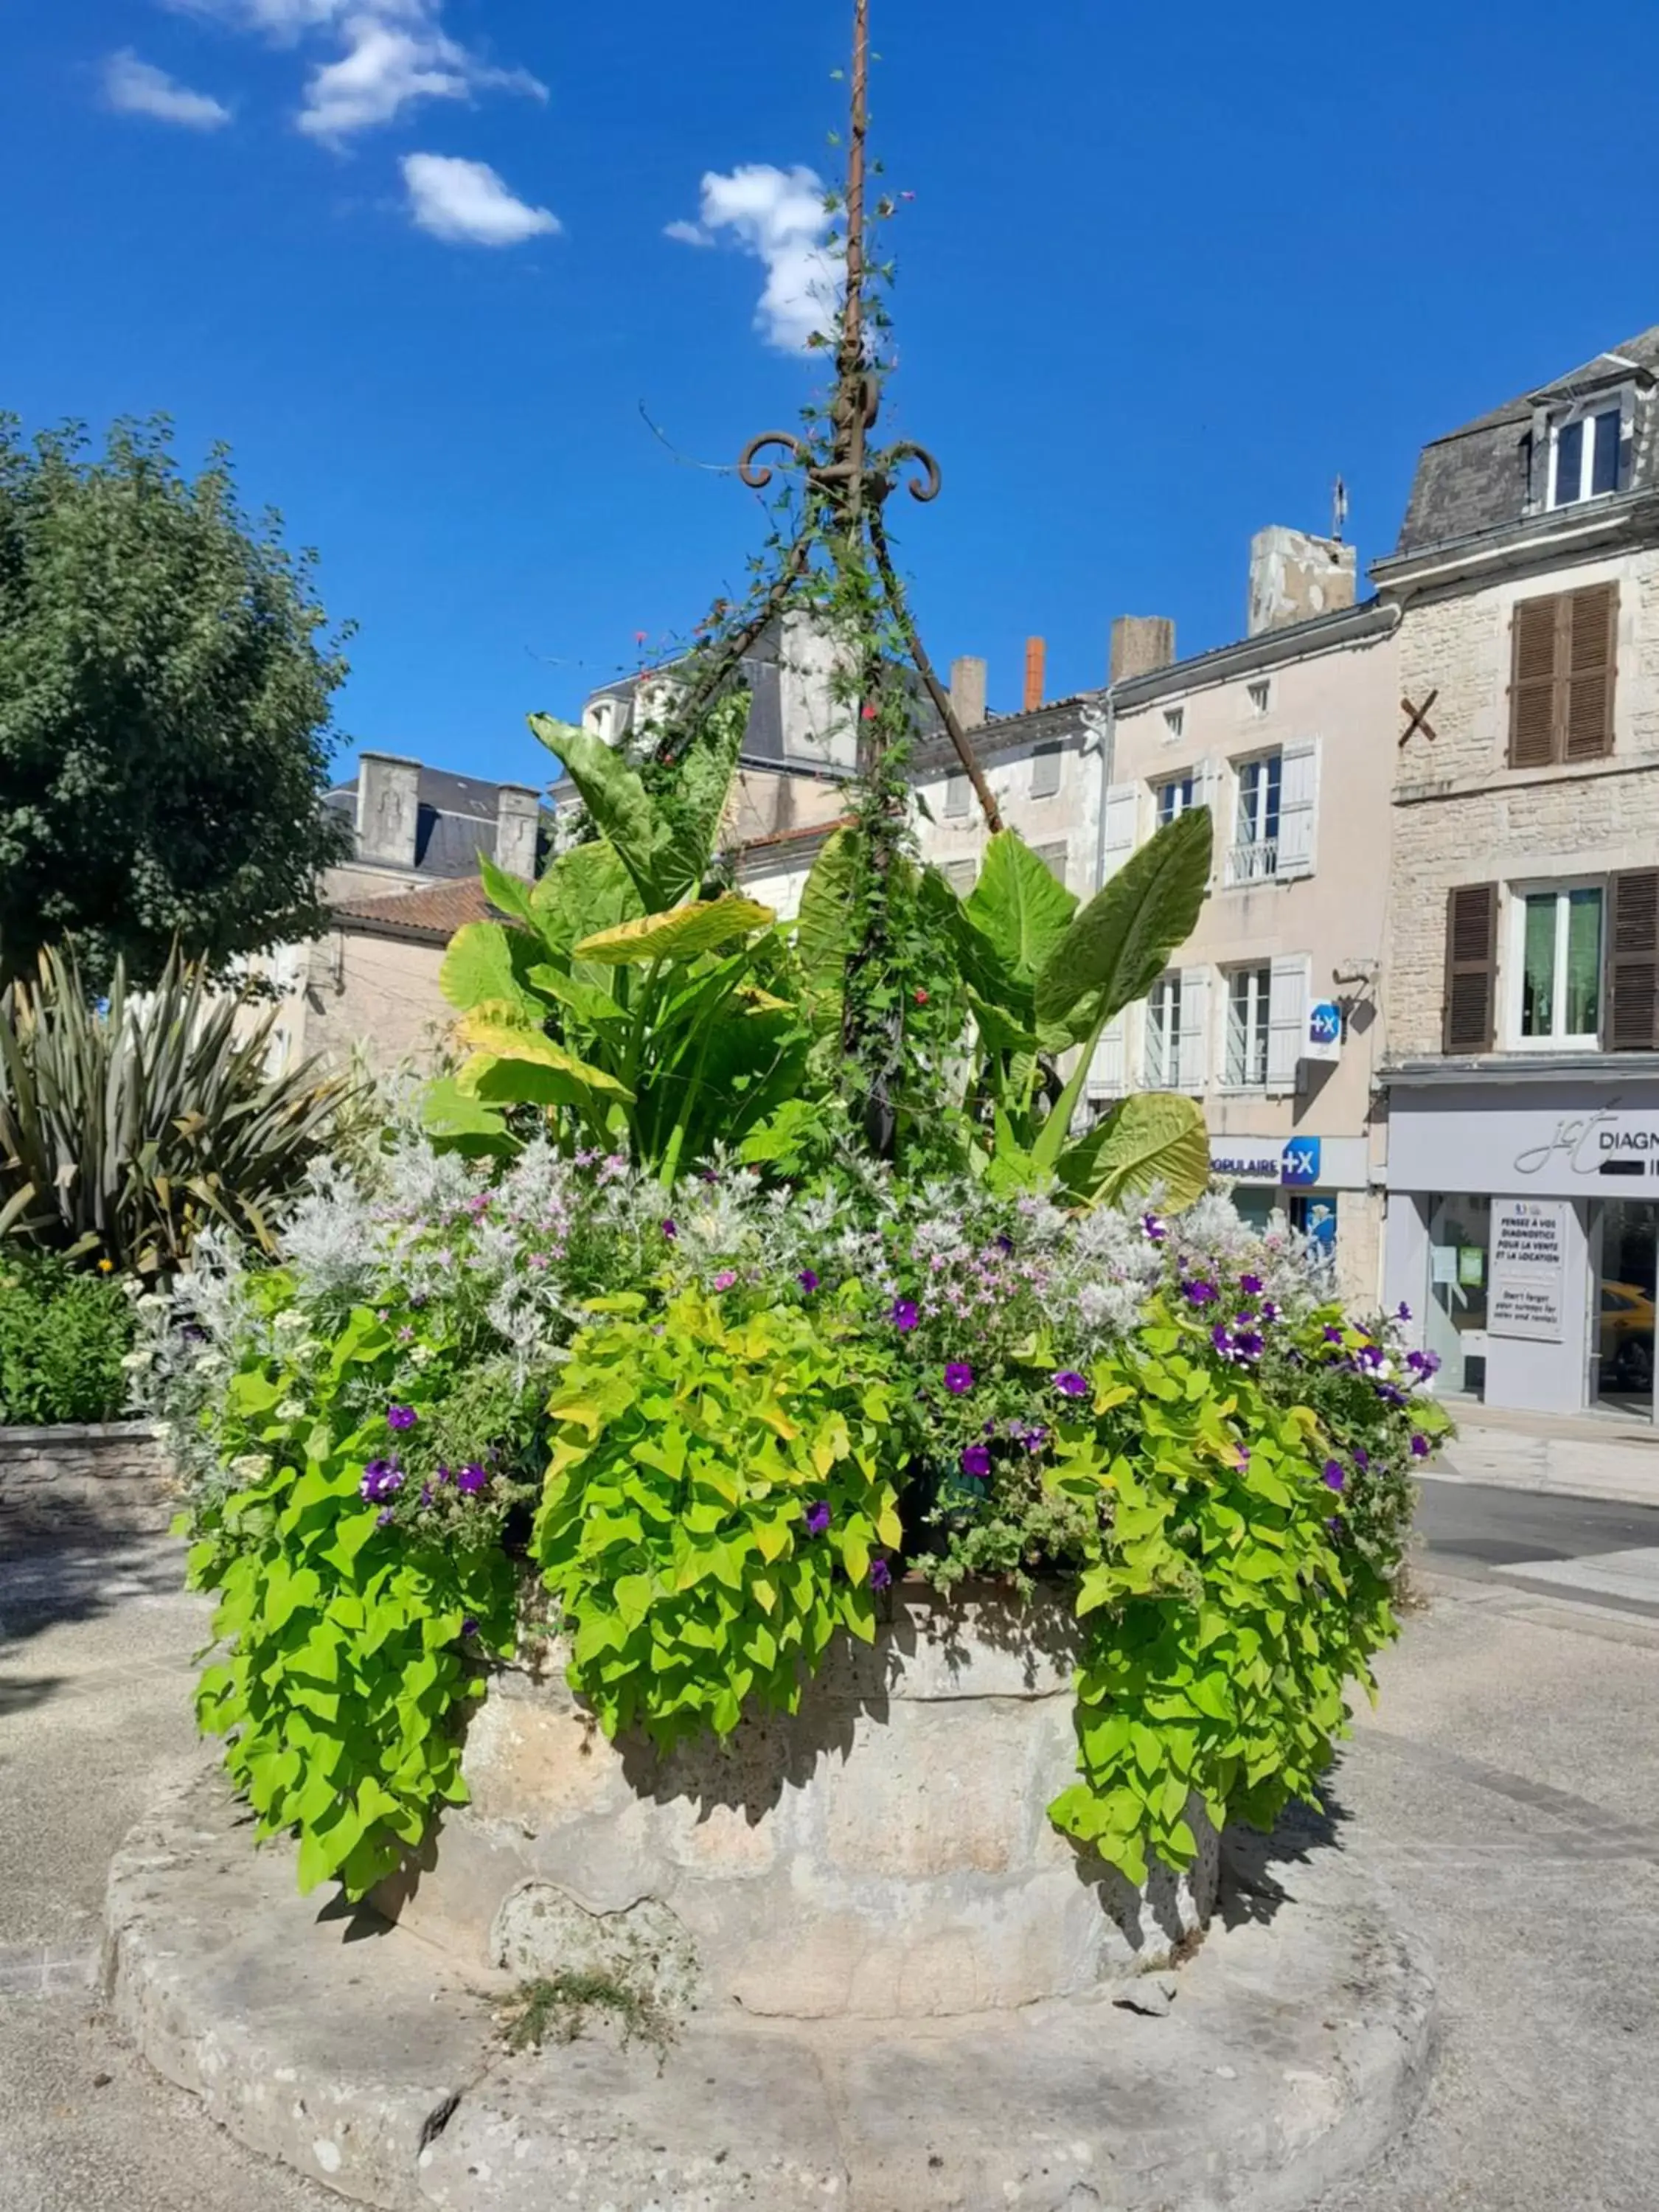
1166	273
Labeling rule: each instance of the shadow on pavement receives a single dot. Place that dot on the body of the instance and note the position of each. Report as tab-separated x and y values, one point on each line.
44	1584
1256	1875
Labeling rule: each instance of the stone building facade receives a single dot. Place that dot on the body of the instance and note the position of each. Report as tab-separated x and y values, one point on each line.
1522	960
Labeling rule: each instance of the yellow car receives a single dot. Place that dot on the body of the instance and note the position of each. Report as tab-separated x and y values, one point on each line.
1627	1337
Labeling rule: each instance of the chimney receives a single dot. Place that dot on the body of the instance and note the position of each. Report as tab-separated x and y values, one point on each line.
1140	643
968	690
388	808
1035	655
518	819
1294	576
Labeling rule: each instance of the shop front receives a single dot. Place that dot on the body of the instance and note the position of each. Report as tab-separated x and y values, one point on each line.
1522	1230
1321	1187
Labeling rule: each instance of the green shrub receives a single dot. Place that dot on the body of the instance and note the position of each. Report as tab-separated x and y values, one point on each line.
720	1502
64	1336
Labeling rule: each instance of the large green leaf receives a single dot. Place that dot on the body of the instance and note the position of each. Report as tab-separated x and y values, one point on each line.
1151	1140
1120	942
680	934
825	926
690	816
1018	905
480	968
616	799
506	893
493	1036
585	890
460	1122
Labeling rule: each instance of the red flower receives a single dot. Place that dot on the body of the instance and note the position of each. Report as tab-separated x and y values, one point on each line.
869	711
921	998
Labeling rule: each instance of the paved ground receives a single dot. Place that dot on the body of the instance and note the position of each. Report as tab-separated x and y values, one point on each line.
1508	1785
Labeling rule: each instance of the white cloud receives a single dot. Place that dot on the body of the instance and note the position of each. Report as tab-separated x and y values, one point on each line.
779	216
135	88
467	203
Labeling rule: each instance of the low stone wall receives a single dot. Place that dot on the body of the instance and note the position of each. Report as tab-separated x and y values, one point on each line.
84	1480
885	1852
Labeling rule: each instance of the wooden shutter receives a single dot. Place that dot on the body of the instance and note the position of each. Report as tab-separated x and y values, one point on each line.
1634	963
1591	626
1532	683
1471	967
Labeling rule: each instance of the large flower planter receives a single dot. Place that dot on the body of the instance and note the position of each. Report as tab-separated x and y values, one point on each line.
884	1852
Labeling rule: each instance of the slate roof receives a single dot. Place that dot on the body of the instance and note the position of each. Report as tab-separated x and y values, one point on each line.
1476	478
454	823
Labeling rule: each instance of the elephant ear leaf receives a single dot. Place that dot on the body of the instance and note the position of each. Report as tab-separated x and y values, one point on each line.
1119	944
617	801
824	928
585	890
486	964
1018	907
680	935
691	818
1153	1140
458	1123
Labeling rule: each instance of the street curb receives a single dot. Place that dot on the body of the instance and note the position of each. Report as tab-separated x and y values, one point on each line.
1298	2048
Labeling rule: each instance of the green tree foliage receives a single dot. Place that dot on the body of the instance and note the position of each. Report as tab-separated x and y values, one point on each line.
64	1336
164	710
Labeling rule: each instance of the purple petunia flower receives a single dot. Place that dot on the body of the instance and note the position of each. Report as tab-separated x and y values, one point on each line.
958	1377
1402	1311
1199	1294
1035	1437
1423	1363
1152	1229
725	1278
1332	1335
471	1480
383	1516
881	1574
976	1461
670	1229
444	1474
904	1315
1250	1344
1251	1285
425	1493
1269	1311
1334	1526
400	1417
382	1478
1334	1478
808	1280
1361	1457
1420	1447
469	1627
1071	1384
1371	1356
1220	1337
816	1519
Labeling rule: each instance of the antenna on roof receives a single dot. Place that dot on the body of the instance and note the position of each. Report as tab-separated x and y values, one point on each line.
1339	508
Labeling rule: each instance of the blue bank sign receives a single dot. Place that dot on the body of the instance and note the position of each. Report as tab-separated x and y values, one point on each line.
1295	1165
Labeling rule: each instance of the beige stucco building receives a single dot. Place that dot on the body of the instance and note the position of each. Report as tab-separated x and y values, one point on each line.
1523	939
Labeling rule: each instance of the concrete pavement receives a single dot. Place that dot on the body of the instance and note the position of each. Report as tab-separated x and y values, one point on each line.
1566	1455
1508	1786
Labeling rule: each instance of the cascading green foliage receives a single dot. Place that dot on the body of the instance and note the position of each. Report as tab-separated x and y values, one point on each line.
719	1498
127	1128
1223	1617
64	1336
649	1025
350	1645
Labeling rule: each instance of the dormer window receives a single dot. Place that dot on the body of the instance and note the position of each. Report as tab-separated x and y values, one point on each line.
1584	455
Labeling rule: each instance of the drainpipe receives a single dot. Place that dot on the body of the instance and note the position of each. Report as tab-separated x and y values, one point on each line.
1105	734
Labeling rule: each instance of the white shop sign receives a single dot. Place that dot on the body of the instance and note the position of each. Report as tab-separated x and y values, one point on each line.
1489	1140
1528	1268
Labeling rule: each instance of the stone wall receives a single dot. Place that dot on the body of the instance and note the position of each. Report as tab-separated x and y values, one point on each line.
1463	816
100	1479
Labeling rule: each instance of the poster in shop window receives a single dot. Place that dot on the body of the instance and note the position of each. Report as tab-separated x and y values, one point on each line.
1528	1268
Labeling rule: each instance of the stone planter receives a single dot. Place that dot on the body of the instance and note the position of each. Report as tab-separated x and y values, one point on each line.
84	1480
885	1853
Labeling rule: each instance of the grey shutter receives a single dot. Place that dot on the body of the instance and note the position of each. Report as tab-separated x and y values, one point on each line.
1471	967
1634	963
957	789
1045	771
1053	858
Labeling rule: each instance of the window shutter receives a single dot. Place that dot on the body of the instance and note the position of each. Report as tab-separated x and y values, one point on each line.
1287	1019
1532	683
1108	1071
1122	812
1053	858
956	793
1634	963
1045	771
1471	967
1298	807
1591	644
1192	1053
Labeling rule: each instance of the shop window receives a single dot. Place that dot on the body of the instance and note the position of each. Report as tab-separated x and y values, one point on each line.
1313	1215
1254	1205
1454	1326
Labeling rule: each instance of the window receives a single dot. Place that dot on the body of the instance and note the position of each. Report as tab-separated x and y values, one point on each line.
1174	796
1175	721
1259	695
1163	1035
956	793
1045	771
1563	650
1557	945
1584	458
1254	855
1249	997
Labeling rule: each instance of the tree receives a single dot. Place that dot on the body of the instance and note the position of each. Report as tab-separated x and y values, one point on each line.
165	681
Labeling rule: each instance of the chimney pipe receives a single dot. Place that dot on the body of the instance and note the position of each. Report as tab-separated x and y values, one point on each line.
518	819
1035	653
